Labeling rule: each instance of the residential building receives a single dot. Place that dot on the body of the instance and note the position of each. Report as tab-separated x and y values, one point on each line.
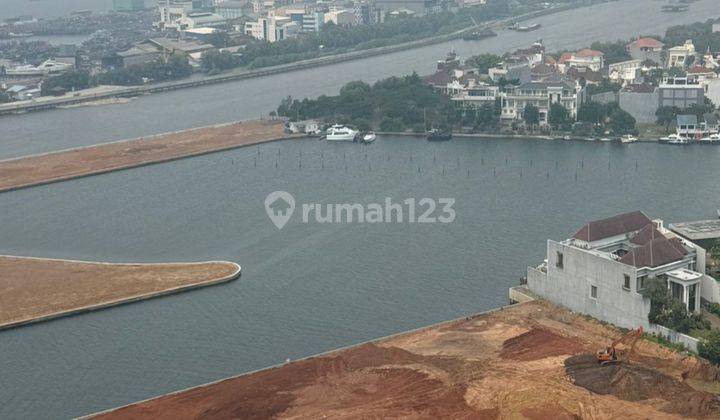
128	5
605	266
542	95
312	22
688	126
680	56
626	72
644	49
471	93
591	59
700	74
513	68
680	92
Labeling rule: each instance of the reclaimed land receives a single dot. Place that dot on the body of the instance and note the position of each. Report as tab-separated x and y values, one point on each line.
37	289
530	360
75	163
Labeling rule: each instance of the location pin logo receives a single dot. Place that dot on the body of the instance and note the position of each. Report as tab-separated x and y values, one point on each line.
279	206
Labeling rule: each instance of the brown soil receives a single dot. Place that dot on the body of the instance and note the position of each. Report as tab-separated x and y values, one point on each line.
538	344
634	382
32	288
506	364
41	169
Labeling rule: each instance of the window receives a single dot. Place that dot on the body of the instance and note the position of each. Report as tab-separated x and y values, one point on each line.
559	261
593	292
626	284
641	283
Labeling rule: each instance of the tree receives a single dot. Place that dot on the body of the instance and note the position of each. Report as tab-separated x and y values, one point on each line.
72	80
709	348
531	115
668	311
558	115
715	250
666	115
622	122
217	61
483	62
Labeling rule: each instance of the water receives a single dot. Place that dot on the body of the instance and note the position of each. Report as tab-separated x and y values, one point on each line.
309	288
48	9
248	99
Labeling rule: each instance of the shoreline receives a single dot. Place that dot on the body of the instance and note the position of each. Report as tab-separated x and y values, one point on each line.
475	354
105	271
113	91
64	165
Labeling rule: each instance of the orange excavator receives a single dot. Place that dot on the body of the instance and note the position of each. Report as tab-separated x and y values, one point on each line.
609	355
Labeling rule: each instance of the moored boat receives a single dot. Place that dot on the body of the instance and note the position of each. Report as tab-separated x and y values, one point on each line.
340	133
369	137
628	138
439	135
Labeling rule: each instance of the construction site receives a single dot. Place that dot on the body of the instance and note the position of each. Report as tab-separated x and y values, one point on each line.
530	360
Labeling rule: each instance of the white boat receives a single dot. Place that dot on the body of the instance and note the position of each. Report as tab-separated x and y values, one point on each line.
340	133
712	138
628	138
679	141
606	139
671	137
369	137
49	67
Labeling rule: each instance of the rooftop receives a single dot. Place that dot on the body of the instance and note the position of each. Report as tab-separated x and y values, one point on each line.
684	274
612	226
697	230
647	43
655	253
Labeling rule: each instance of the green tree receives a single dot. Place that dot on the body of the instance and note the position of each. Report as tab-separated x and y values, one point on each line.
483	62
668	311
592	112
558	115
622	122
666	116
531	115
72	80
715	250
217	61
709	347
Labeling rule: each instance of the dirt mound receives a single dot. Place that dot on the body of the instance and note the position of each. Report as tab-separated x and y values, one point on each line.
538	344
632	382
549	411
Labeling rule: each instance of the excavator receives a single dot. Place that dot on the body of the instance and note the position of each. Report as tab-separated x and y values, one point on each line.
609	355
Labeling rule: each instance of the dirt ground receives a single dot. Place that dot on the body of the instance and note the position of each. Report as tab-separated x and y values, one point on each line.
40	169
532	360
33	288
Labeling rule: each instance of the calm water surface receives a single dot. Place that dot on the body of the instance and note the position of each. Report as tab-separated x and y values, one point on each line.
248	99
309	288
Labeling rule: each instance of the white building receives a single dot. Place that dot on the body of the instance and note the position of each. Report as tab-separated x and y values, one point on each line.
625	72
342	17
591	59
200	20
542	95
603	269
472	93
272	28
678	56
47	68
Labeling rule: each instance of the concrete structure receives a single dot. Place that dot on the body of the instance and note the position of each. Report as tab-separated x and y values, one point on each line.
640	102
418	7
342	17
646	49
541	95
591	59
511	69
273	28
154	48
234	9
128	5
680	56
200	20
625	72
472	93
680	92
603	269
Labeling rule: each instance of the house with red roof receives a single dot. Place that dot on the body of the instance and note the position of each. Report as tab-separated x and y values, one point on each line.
645	48
604	267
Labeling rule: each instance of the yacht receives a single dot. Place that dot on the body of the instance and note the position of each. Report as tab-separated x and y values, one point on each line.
340	133
669	138
628	138
369	137
712	139
439	135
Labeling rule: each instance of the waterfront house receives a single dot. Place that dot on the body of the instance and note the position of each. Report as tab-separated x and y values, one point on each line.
644	49
687	126
625	72
681	92
471	93
587	58
680	56
604	267
541	95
